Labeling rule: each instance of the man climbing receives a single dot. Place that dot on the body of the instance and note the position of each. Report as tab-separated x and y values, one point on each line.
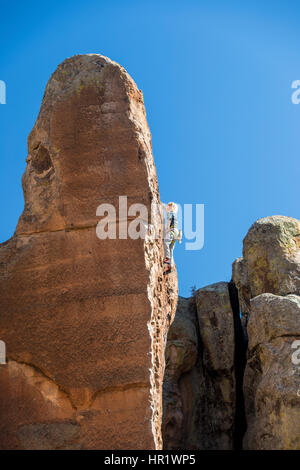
171	235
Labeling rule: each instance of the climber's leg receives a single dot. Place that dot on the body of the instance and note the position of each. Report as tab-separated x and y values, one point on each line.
171	248
173	236
167	241
168	248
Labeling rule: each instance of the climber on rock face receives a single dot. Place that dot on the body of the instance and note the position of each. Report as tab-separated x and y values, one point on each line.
171	235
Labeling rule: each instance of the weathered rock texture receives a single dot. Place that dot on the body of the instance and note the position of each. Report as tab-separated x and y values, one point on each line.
199	384
181	357
83	319
268	279
271	378
271	260
213	392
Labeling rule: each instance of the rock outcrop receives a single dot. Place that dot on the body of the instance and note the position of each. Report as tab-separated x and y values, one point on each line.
268	279
270	262
219	394
83	318
271	381
199	383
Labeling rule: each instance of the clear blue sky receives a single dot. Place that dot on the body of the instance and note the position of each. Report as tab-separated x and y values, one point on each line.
216	78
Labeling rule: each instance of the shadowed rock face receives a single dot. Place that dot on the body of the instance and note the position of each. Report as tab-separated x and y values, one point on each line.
82	318
199	382
181	357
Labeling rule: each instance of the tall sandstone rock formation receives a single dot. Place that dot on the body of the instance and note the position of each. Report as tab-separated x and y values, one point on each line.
83	318
219	393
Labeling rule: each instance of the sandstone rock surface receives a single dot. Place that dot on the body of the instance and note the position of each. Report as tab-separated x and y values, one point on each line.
83	319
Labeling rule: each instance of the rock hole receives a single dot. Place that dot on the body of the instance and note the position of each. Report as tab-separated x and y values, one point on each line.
41	160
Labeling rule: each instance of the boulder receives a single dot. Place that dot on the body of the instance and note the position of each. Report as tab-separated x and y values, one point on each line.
268	281
271	260
271	382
